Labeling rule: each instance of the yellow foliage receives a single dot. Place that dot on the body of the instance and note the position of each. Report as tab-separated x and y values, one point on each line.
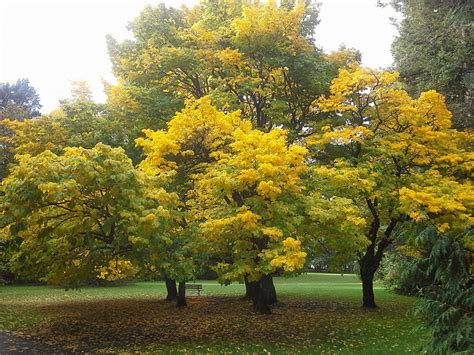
391	157
446	202
220	166
267	25
34	136
198	126
290	258
120	100
230	57
343	57
116	269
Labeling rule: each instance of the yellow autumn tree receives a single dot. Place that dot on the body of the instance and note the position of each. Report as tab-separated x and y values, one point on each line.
234	183
34	136
77	122
249	200
384	159
194	139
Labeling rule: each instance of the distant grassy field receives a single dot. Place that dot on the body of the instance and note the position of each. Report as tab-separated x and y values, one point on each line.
318	313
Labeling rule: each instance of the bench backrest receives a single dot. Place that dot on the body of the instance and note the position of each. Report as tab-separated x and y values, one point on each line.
194	286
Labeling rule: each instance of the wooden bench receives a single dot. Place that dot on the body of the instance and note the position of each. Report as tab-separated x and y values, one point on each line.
194	287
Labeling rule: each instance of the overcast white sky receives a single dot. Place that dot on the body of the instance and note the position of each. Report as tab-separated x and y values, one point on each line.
55	42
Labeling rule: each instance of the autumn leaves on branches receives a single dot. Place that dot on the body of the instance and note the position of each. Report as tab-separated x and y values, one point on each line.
387	160
235	186
212	190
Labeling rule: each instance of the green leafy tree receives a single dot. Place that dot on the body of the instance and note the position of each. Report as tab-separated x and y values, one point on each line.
259	58
77	122
146	93
434	50
19	100
87	123
438	268
449	295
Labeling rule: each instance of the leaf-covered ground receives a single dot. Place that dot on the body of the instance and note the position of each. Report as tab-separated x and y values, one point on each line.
318	313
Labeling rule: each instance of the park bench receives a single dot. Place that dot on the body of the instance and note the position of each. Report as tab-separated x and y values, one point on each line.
194	287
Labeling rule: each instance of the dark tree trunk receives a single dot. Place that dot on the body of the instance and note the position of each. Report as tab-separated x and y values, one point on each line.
370	261
273	298
265	295
181	302
172	291
367	273
369	264
251	289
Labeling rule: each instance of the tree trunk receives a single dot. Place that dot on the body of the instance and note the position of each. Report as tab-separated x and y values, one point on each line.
172	291
370	262
251	289
367	273
273	298
265	295
181	301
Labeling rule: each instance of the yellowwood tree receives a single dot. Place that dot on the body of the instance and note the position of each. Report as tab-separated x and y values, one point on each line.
382	159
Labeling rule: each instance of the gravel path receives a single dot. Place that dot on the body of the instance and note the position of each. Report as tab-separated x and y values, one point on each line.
13	344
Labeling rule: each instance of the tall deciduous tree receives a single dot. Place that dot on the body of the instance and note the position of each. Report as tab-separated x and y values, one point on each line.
236	185
249	200
193	138
257	57
385	158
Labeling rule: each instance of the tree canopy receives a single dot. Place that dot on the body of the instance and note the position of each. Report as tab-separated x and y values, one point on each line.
234	184
90	213
245	55
19	100
384	158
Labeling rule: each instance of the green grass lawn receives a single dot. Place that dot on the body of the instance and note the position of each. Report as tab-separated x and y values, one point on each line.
317	313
